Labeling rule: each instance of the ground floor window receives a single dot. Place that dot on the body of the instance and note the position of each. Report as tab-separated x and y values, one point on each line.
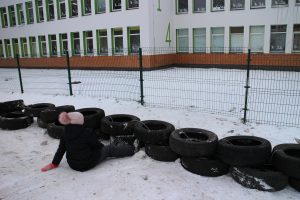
1	49
86	7
42	46
218	5
52	45
182	6
20	14
24	47
116	5
7	48
73	8
102	44
134	39
33	46
236	39
182	39
132	4
75	37
63	43
276	3
256	38
278	38
258	3
61	9
16	50
217	39
199	5
117	36
199	40
296	42
237	4
4	17
39	10
100	6
29	12
88	42
12	16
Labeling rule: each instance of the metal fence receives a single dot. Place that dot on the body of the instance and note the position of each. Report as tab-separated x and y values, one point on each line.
252	87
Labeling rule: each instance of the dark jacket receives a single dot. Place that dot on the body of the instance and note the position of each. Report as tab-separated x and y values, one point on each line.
81	146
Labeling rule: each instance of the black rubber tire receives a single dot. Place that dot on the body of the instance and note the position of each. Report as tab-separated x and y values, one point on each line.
129	139
244	151
287	159
36	109
161	153
15	121
264	178
92	117
41	123
205	166
55	130
193	142
101	136
295	183
51	115
11	106
119	124
153	131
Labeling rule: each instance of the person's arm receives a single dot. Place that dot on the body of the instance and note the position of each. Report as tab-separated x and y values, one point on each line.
57	157
93	140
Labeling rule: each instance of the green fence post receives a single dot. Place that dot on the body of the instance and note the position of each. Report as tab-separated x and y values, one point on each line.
19	71
247	86
69	73
141	75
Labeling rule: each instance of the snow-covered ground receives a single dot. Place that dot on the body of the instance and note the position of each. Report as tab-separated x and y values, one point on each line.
24	152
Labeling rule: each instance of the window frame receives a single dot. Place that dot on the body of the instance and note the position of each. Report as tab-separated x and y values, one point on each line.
16	47
99	37
257	7
273	5
29	12
74	52
4	19
194	43
85	42
48	11
178	12
129	34
178	48
12	16
71	9
240	8
236	49
37	11
132	8
31	44
61	44
112	7
20	13
114	36
52	52
59	10
296	33
41	45
255	34
274	33
83	8
24	46
215	49
7	46
199	11
97	7
217	10
1	49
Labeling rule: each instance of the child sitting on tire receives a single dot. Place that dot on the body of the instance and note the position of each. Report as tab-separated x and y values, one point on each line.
83	150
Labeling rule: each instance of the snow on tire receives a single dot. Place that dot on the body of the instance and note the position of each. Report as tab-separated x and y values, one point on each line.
160	153
15	121
55	130
92	117
36	109
286	158
41	123
264	178
244	151
11	106
51	115
204	166
193	142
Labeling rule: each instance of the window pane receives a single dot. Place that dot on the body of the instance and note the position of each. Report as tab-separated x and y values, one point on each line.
134	40
87	7
277	42
182	6
218	5
53	45
74	9
12	15
116	5
4	17
279	2
30	17
237	4
51	9
217	39
199	5
1	49
199	40
296	42
256	41
118	41
76	44
100	6
182	40
258	3
133	3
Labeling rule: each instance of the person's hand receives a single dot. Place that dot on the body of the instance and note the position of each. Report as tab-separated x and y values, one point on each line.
64	119
49	167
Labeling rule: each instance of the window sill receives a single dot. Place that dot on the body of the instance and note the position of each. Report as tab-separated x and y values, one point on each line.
218	10
116	10
134	8
235	9
62	18
279	6
87	14
100	12
181	13
201	11
258	7
73	16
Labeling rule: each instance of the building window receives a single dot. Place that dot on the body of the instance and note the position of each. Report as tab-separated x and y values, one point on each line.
297	2
75	39
258	3
236	39
217	39
63	43
1	50
39	11
256	38
24	47
182	6
132	4
278	37
218	5
199	5
100	6
237	4
20	13
115	5
52	45
50	10
134	39
296	42
73	8
86	7
88	42
117	41
102	44
12	15
61	9
7	48
4	17
43	46
29	12
199	40
33	46
276	3
15	43
182	40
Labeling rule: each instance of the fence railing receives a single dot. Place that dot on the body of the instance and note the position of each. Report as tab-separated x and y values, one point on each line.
261	88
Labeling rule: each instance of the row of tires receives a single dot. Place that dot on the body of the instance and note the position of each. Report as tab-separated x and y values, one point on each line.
250	160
